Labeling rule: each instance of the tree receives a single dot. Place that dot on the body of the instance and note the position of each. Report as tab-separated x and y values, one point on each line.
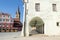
36	21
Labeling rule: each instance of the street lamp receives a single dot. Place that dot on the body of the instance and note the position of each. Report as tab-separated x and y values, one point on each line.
24	18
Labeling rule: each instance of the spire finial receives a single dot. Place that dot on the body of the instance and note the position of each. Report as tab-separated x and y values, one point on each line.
18	7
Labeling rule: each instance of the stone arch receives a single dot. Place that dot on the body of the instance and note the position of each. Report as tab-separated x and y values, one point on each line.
38	24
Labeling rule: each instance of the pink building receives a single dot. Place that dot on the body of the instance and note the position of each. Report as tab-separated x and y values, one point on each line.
6	21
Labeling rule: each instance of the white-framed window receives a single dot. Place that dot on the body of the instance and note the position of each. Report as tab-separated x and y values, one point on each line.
3	19
37	7
7	20
11	20
54	7
3	15
0	19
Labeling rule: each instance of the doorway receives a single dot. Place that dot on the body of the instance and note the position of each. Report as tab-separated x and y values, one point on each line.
36	26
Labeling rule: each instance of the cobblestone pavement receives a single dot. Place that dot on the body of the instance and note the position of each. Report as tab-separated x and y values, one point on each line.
34	37
16	36
9	34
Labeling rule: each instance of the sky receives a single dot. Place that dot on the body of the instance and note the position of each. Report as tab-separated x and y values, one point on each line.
11	6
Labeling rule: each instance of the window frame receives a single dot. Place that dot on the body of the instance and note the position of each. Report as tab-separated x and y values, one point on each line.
1	20
37	7
54	7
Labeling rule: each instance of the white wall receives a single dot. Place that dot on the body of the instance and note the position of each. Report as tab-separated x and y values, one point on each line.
46	14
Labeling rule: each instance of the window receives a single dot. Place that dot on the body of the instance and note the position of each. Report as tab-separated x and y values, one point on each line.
3	15
7	20
3	19
11	20
0	19
37	6
54	7
58	23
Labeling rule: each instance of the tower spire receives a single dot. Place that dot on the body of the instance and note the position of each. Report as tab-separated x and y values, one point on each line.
18	13
18	9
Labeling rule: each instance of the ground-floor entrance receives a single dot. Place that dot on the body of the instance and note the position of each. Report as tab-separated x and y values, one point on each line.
36	26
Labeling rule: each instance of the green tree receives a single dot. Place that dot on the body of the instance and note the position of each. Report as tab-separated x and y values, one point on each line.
36	21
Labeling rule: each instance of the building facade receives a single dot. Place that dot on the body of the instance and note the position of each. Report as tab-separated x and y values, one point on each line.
47	10
6	21
17	22
9	23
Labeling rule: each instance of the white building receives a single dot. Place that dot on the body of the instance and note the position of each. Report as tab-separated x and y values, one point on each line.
47	10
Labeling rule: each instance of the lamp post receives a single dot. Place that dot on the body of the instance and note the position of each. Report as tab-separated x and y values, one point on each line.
24	18
25	14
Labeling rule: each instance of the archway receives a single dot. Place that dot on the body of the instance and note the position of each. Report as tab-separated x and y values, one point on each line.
36	26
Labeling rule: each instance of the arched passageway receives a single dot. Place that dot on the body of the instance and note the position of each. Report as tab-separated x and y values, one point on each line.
36	26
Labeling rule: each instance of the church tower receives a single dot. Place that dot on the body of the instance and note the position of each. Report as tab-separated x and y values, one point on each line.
18	13
17	22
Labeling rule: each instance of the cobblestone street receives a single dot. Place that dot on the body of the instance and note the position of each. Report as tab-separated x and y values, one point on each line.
9	34
31	38
16	36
